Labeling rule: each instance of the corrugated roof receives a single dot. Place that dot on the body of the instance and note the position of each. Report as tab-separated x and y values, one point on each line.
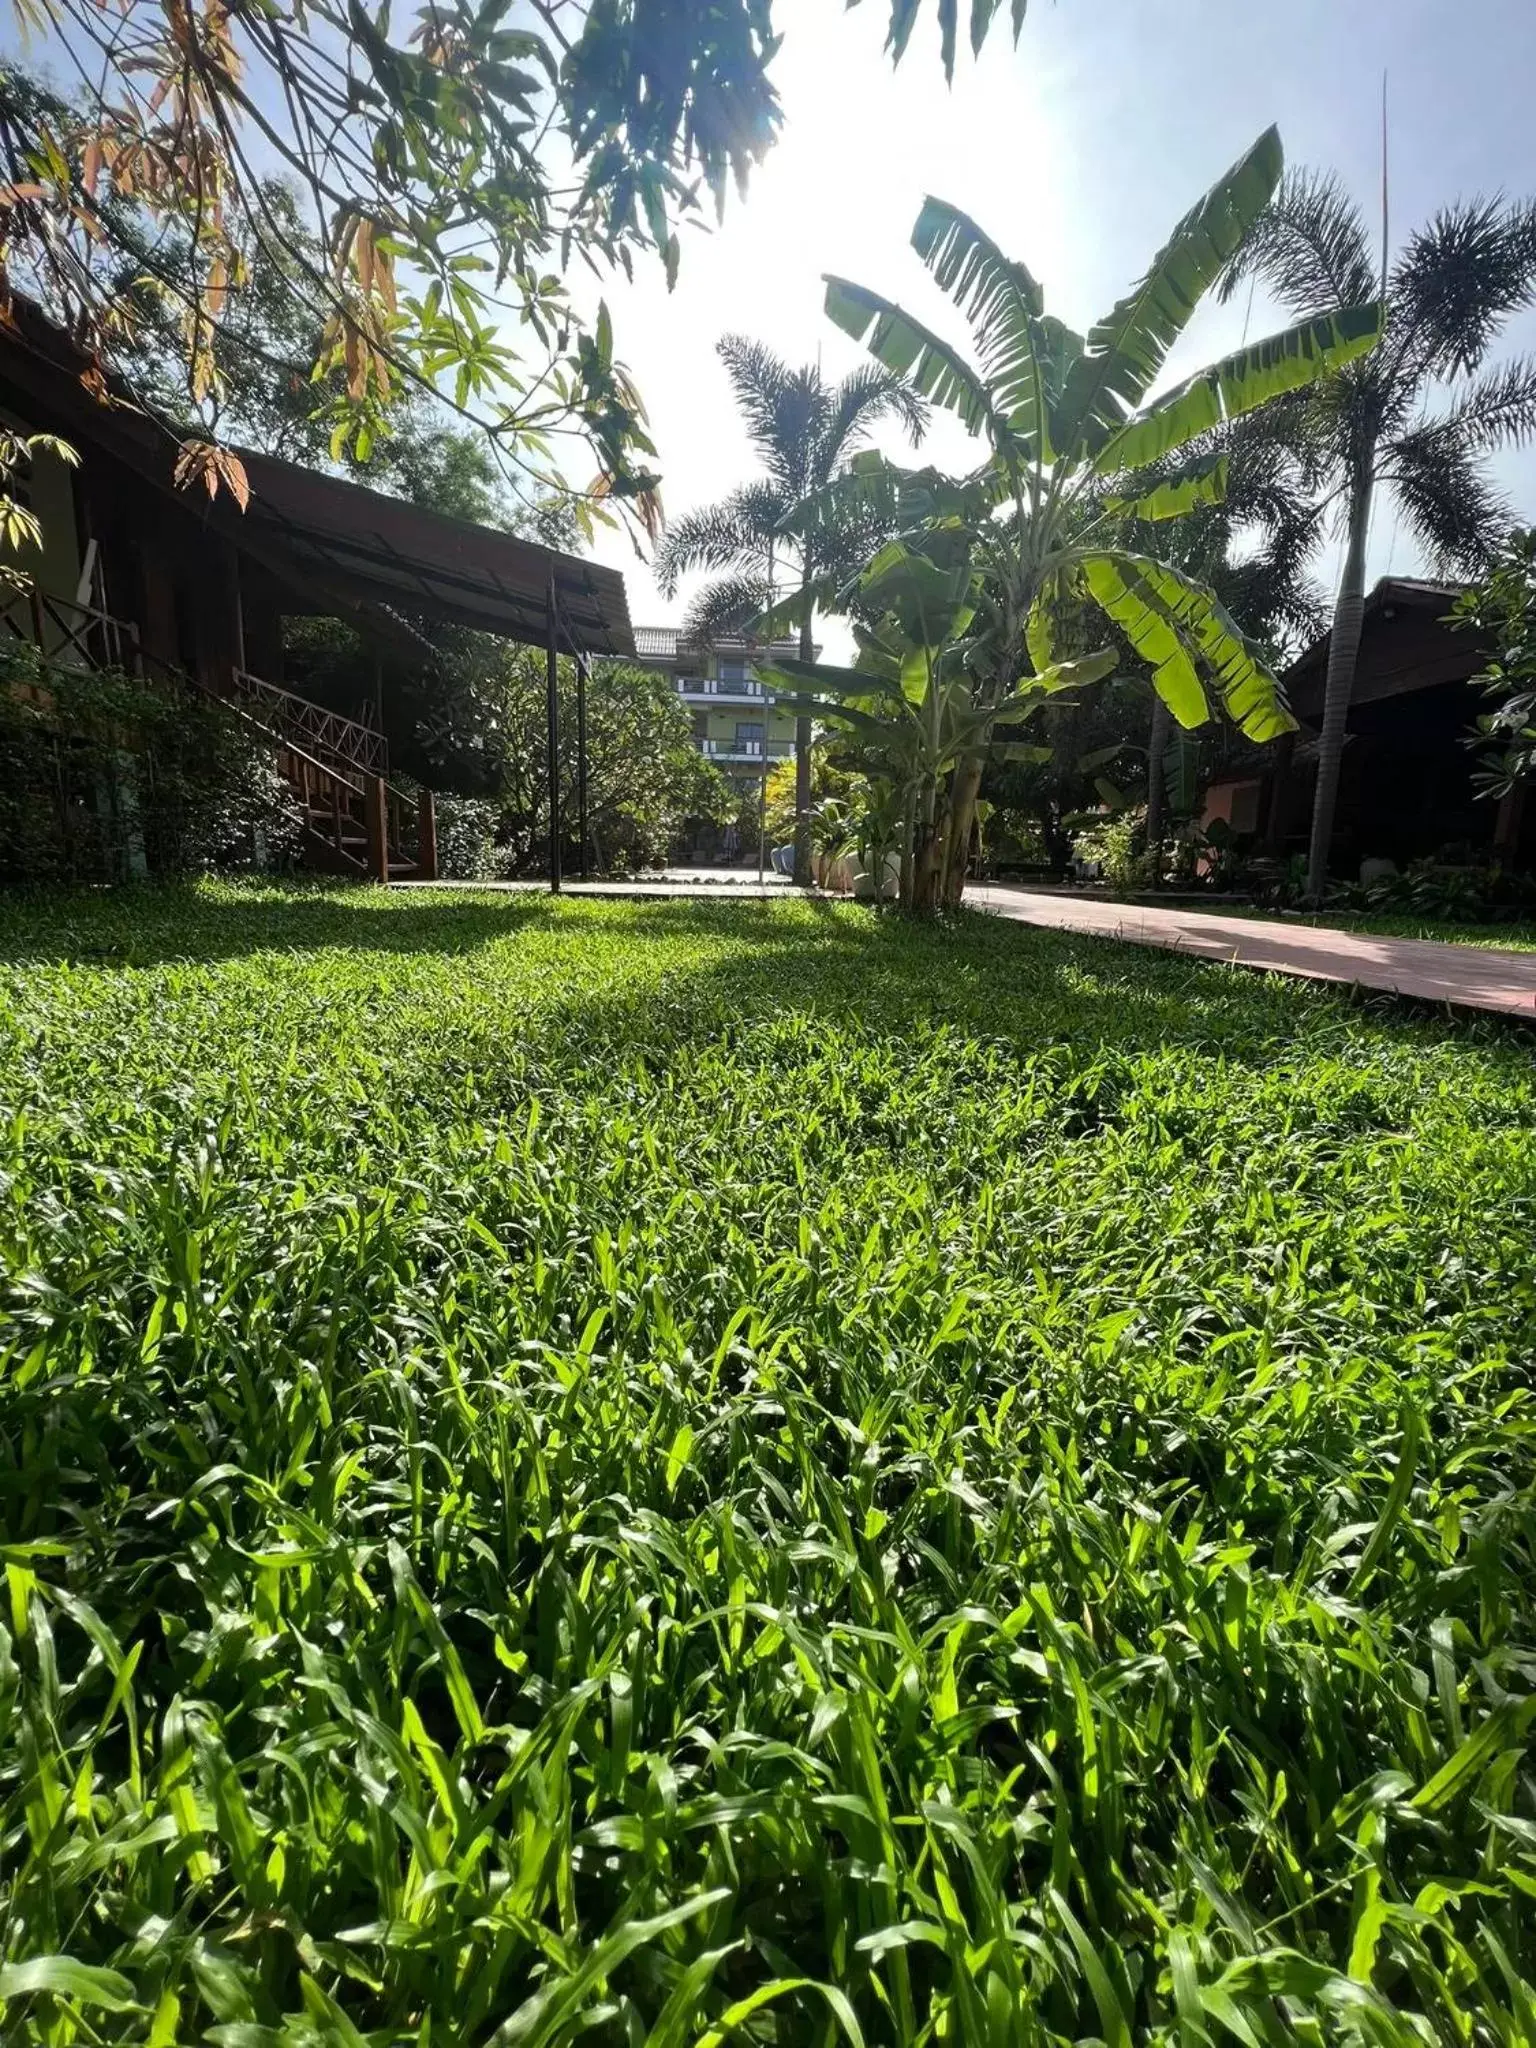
383	550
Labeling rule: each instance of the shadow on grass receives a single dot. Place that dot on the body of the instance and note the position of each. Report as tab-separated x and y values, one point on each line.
979	974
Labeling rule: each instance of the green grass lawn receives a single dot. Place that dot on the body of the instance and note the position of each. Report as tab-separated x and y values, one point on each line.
658	1473
1511	938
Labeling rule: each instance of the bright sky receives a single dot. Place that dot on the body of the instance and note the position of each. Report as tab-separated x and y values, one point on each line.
1077	153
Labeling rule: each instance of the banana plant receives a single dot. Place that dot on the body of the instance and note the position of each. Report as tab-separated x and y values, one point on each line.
1071	431
911	700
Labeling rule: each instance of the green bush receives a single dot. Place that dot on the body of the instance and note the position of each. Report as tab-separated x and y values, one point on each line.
1118	845
105	775
466	839
1447	892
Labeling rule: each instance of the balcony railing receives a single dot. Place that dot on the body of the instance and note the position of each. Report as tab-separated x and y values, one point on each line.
747	691
76	634
746	750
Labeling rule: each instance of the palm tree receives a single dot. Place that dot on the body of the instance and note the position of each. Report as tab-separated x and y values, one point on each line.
1253	548
1414	415
805	432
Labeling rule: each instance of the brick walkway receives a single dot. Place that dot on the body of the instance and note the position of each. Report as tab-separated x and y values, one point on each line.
1472	977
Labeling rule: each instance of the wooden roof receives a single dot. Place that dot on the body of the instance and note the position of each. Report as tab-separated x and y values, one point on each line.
334	539
1405	646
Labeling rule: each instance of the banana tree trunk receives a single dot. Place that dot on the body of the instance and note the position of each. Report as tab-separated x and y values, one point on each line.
925	866
962	824
908	886
1343	652
1157	789
803	872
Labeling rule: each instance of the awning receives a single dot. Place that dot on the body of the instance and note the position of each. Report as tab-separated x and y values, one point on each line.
379	550
336	540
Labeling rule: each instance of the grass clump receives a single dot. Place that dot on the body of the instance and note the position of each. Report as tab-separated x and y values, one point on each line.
669	1473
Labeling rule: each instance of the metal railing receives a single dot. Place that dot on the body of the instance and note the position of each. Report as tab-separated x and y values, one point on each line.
326	734
746	750
746	691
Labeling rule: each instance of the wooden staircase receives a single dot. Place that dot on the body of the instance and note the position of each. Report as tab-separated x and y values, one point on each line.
355	821
358	824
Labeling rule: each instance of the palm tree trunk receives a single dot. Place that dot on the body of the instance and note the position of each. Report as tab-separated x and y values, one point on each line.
802	874
1343	651
1157	792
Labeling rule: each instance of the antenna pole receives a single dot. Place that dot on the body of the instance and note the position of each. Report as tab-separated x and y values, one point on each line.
1383	184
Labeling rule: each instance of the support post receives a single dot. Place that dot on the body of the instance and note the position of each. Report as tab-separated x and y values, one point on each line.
1507	823
426	837
762	806
581	756
376	811
159	630
552	689
1278	794
220	626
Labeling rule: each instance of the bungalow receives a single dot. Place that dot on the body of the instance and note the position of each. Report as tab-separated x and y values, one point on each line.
1406	787
192	591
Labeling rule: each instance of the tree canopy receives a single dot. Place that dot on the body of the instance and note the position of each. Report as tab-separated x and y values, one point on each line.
1019	556
1420	416
453	165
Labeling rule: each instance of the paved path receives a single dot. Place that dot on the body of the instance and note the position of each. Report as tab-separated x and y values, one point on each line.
1472	977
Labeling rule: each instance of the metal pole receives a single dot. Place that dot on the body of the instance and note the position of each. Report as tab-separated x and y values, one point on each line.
581	756
552	688
762	781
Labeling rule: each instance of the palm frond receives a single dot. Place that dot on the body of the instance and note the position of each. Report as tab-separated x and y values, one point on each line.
909	349
759	379
1004	305
1459	279
736	530
1127	348
864	398
724	609
1255	375
1271	596
1498	410
1447	496
1310	246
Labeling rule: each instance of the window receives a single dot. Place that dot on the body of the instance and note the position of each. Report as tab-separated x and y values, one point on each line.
748	730
732	669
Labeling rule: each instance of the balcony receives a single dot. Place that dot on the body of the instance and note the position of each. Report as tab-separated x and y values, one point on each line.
746	750
707	690
75	635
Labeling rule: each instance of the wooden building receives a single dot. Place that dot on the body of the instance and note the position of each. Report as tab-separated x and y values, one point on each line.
137	572
1406	788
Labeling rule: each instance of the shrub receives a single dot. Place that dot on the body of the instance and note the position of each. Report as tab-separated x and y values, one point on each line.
105	775
1118	846
1449	892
